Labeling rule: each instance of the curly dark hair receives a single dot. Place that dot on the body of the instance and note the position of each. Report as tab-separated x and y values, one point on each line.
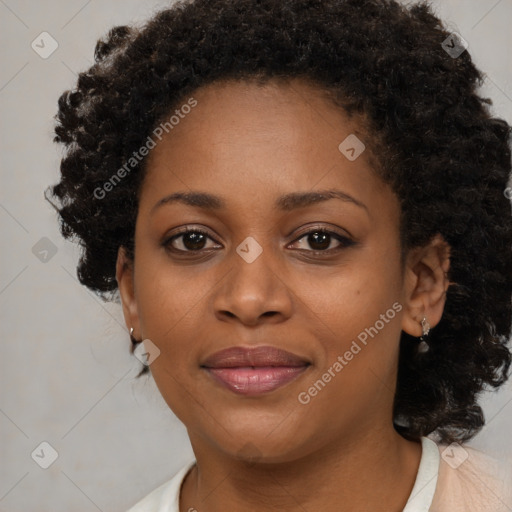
432	137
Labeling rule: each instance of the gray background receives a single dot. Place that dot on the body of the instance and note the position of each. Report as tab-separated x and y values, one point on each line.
67	377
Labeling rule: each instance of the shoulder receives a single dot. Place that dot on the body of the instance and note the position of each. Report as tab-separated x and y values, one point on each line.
470	480
166	497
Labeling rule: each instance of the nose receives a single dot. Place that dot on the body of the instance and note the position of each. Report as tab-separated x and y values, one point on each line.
254	292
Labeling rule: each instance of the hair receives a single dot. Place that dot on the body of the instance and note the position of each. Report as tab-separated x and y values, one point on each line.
433	137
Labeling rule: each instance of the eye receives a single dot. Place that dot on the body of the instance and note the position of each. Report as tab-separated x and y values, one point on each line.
195	240
188	240
320	239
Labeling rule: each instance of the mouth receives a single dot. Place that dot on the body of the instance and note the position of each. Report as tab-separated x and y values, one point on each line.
252	371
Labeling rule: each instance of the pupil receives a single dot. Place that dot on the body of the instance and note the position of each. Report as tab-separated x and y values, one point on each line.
193	240
320	239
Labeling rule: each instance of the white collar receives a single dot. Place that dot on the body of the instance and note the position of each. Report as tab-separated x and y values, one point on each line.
422	494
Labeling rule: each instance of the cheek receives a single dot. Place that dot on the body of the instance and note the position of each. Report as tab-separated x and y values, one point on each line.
167	296
358	314
169	303
358	328
355	294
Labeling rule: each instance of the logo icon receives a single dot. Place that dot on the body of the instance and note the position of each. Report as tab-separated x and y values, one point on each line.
351	147
44	45
249	249
44	250
44	455
146	352
454	45
454	455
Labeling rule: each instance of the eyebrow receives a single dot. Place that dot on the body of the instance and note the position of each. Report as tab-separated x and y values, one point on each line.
287	202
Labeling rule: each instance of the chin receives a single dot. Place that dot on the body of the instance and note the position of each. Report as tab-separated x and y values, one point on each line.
256	440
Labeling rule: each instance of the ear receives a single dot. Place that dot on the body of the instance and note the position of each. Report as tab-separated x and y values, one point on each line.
125	282
426	283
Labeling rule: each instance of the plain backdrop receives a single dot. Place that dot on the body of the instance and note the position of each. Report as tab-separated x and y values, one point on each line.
67	377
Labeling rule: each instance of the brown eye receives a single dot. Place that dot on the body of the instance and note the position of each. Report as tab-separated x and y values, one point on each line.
190	240
320	241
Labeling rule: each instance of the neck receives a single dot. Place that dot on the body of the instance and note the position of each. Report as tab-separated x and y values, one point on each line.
371	472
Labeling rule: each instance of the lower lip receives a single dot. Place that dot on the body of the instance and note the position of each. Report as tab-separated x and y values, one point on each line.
253	381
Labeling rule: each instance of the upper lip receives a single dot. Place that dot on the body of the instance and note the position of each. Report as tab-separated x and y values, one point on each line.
234	357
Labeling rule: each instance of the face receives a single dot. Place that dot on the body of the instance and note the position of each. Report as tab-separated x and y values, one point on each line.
267	264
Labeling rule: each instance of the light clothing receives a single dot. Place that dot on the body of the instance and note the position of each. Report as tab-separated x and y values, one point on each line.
451	478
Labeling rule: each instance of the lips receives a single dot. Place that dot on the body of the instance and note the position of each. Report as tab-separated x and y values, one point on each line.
258	356
251	371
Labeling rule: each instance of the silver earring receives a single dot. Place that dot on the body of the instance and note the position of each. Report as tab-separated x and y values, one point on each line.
133	340
423	345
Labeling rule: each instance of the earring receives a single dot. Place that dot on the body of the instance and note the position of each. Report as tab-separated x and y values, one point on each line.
423	345
134	341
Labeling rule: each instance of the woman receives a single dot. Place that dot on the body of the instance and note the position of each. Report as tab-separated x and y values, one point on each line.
302	205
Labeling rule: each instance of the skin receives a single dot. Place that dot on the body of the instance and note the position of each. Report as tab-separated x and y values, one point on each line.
251	144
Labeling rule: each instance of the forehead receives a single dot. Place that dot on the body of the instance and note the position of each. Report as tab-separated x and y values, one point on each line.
245	139
289	109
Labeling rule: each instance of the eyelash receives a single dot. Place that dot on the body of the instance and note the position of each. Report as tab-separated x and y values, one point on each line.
344	241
